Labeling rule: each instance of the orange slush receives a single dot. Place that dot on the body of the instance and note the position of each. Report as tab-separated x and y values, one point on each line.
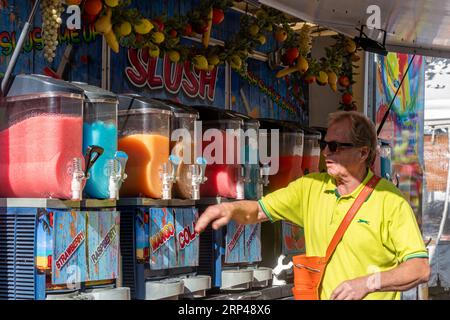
146	155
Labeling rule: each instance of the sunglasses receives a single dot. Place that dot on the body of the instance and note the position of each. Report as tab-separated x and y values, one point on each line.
333	145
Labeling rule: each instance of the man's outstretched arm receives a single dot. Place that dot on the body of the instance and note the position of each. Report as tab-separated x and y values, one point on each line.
243	212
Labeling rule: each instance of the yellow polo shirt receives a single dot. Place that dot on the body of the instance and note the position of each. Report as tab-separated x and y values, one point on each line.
383	233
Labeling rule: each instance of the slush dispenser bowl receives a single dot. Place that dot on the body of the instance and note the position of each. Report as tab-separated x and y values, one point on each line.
249	150
144	134
311	152
41	139
189	173
100	129
221	150
290	152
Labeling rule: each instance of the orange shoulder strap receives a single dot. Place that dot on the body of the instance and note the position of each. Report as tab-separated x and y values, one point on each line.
362	197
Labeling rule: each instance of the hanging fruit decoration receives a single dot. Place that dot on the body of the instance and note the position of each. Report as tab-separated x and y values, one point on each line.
299	48
207	34
218	16
281	35
129	28
104	26
332	80
344	81
349	51
93	7
51	21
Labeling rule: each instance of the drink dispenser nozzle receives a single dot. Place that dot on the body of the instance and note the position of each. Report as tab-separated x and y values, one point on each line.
240	185
169	176
117	175
263	179
78	176
198	176
248	171
77	179
91	156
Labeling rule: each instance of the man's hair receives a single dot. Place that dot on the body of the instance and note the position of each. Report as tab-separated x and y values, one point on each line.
362	131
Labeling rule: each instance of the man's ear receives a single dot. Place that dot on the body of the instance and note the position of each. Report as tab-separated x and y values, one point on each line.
365	153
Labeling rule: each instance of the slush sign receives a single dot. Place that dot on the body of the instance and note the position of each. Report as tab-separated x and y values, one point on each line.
143	71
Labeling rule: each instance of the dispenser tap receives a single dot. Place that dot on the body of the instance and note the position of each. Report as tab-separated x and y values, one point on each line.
263	180
78	175
260	184
264	174
240	185
77	179
90	157
168	178
248	172
117	175
198	176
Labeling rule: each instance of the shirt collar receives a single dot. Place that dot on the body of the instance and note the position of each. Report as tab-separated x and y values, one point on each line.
331	185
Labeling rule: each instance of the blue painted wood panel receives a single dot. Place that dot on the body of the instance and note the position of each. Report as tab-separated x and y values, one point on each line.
85	246
235	243
103	244
242	243
162	239
70	252
253	243
188	241
142	234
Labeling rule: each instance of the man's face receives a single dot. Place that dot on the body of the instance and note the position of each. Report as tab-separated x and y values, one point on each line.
345	159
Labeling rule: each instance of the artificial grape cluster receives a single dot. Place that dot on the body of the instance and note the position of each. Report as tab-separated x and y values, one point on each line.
51	15
305	40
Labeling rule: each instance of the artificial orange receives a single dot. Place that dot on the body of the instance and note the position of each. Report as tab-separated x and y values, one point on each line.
93	7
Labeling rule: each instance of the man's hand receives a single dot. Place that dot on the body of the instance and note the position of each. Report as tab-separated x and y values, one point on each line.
243	212
355	289
218	214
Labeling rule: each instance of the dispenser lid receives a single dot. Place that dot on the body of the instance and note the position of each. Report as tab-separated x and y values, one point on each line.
96	94
136	104
321	130
35	84
309	132
283	126
248	121
179	110
208	113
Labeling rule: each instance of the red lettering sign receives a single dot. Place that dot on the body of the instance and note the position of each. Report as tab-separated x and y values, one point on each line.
161	237
173	72
190	82
137	73
143	71
235	237
70	250
185	237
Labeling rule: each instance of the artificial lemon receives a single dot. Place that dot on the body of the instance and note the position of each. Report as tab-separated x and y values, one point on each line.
158	37
143	27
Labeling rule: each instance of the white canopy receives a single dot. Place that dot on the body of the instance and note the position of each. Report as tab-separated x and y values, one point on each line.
420	26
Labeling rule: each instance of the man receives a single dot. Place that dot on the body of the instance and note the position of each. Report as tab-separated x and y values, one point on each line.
382	251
